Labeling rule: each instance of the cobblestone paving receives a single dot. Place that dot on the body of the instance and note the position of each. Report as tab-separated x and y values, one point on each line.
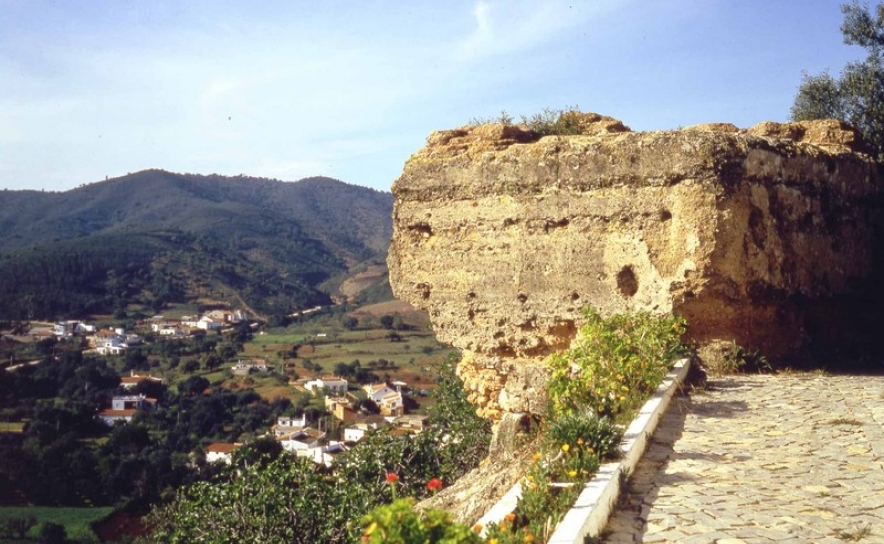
761	459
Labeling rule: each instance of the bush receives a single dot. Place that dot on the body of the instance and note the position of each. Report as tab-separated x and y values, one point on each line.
614	363
398	523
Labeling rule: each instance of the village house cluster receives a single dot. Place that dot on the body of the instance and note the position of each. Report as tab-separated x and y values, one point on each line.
356	413
298	437
115	341
214	320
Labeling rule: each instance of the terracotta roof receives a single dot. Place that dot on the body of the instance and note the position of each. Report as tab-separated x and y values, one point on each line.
222	447
117	413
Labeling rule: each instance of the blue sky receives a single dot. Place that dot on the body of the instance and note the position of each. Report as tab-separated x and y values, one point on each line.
291	89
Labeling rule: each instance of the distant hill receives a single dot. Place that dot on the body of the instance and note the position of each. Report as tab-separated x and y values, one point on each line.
155	237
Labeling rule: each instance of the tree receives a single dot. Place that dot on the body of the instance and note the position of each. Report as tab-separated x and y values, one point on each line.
386	321
288	500
857	96
193	385
350	322
52	533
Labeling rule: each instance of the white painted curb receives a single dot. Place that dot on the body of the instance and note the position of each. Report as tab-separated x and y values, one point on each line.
589	515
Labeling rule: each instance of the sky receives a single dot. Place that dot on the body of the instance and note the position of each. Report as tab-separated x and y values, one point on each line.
289	89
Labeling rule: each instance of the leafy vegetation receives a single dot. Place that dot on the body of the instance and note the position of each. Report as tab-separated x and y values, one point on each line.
549	122
634	349
398	523
857	96
287	500
19	522
614	363
294	501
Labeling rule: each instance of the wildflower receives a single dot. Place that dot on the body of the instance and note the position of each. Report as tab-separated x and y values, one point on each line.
579	441
572	473
492	541
392	478
477	527
536	457
528	538
565	448
435	484
510	517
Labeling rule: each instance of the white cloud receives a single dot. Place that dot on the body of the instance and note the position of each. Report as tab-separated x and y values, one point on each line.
506	27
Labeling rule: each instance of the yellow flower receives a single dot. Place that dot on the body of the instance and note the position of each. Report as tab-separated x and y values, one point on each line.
579	441
371	528
529	538
536	457
565	448
492	541
572	473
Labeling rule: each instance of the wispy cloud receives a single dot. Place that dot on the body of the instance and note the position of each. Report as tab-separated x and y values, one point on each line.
500	28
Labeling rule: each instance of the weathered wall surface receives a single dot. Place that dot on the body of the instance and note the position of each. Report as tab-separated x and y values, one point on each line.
504	238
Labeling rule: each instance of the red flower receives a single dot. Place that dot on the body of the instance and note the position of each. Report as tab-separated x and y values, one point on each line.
435	484
392	478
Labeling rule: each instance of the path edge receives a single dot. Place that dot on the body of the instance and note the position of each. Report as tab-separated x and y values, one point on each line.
589	515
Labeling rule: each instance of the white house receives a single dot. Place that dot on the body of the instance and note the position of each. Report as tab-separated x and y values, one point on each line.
333	384
208	324
300	441
244	369
133	379
288	425
227	316
167	329
127	402
123	407
357	431
388	399
221	452
326	454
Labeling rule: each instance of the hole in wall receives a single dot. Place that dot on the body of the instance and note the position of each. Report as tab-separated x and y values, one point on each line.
627	283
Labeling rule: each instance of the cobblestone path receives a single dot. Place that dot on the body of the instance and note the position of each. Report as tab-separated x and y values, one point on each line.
760	459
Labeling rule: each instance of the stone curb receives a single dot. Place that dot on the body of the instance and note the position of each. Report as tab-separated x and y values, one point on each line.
589	515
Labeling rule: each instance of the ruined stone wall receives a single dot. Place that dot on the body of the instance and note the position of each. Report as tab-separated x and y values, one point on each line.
503	238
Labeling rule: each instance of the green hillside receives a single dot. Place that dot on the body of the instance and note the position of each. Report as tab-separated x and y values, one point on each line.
154	237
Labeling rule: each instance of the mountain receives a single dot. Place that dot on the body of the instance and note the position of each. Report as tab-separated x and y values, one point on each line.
156	236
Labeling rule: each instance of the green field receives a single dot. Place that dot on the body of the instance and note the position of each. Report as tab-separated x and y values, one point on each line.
11	427
77	521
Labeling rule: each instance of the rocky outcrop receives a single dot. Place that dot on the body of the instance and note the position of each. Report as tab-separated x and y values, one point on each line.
504	237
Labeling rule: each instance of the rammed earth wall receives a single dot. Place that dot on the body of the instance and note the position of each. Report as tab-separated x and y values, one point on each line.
755	236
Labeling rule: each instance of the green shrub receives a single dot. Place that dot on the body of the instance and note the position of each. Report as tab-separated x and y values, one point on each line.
614	363
399	523
554	122
549	122
612	367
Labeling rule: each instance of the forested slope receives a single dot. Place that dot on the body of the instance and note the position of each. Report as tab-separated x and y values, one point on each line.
154	236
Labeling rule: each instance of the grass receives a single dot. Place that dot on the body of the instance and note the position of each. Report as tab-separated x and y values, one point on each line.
77	521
